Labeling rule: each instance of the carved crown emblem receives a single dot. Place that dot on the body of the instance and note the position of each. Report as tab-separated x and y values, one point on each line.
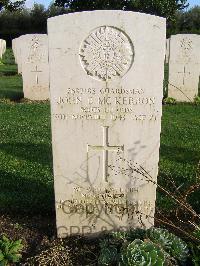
107	53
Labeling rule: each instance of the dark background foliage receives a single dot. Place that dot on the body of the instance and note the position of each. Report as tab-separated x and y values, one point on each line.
11	5
18	20
165	8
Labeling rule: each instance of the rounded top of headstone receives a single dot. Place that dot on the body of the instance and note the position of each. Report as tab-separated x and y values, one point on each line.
107	53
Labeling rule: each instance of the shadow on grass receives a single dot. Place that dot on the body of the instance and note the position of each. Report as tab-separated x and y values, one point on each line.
8	70
182	184
39	153
21	195
11	94
8	73
179	154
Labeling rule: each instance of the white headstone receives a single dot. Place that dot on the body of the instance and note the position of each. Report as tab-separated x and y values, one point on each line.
14	48
2	47
17	45
35	66
106	76
184	67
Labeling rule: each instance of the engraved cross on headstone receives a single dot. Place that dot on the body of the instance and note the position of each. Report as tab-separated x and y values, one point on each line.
36	71
184	74
105	148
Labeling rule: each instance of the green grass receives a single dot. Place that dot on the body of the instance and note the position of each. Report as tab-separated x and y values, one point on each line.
26	179
11	87
25	159
180	147
8	70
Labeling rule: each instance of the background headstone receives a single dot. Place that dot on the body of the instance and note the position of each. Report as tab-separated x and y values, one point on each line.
2	47
35	66
14	48
17	45
184	67
106	76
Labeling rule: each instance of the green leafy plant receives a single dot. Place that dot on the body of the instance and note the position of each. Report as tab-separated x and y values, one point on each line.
109	253
154	246
119	235
169	100
170	243
10	251
195	248
195	254
196	232
197	100
142	253
130	235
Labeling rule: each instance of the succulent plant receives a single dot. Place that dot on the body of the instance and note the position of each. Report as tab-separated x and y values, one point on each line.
119	235
170	243
108	254
179	249
131	235
140	253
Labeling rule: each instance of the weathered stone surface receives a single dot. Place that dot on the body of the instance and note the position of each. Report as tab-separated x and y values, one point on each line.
2	47
35	66
17	46
31	55
184	67
14	48
106	76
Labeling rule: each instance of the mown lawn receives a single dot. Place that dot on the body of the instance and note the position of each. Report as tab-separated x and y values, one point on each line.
11	87
180	149
26	179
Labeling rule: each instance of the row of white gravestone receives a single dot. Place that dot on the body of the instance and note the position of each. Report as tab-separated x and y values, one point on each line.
31	55
183	56
106	79
2	47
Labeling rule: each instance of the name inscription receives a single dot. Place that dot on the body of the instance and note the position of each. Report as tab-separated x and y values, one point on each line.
105	104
